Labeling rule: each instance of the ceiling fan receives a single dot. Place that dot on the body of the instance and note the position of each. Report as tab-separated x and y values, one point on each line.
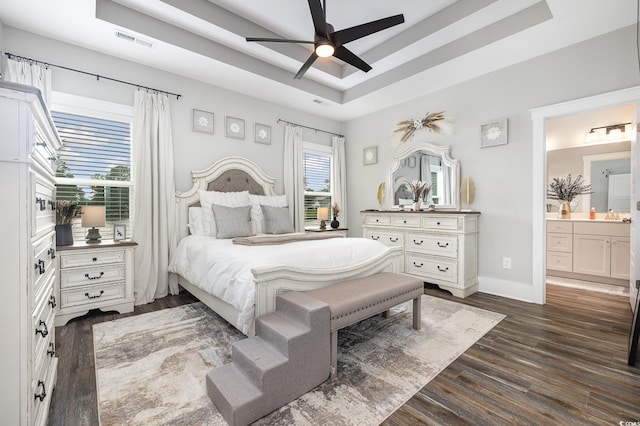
328	42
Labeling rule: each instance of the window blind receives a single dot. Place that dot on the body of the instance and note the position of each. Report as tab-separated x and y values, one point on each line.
317	185
94	166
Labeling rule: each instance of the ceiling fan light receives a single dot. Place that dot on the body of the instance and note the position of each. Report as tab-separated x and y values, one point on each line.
325	50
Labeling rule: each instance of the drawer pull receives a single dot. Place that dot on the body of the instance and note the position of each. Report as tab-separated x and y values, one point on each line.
394	240
40	267
52	253
418	243
375	237
41	202
445	245
404	221
443	270
418	266
42	395
41	144
438	223
44	331
95	296
52	301
95	259
94	278
377	220
52	350
52	158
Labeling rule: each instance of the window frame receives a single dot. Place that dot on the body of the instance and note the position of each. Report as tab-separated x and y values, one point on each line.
324	151
89	107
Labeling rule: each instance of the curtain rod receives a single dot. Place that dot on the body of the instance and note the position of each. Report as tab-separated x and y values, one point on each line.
312	128
98	77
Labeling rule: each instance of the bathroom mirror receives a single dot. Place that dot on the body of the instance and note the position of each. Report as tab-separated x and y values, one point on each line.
425	162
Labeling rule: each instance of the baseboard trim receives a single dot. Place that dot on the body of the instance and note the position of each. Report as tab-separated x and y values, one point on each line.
509	289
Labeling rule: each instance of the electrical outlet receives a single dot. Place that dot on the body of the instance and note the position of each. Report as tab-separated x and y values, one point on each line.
506	263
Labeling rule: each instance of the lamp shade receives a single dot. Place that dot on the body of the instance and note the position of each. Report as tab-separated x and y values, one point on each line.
93	216
323	213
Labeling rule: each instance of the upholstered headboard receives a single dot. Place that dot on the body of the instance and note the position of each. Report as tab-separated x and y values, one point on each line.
230	174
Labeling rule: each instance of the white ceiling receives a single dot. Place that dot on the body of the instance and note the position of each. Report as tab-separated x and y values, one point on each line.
442	42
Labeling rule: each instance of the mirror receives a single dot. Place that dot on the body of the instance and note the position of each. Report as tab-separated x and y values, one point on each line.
425	162
606	167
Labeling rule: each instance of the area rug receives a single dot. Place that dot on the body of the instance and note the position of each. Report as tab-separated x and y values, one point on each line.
151	368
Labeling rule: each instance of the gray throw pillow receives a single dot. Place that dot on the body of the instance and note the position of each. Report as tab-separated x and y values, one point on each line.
277	220
232	222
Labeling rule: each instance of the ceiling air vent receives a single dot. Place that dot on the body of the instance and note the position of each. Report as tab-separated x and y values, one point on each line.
133	39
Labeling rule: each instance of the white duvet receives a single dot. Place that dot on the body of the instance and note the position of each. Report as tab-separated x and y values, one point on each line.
223	269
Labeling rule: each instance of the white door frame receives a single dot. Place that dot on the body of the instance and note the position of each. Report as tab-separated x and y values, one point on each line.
539	116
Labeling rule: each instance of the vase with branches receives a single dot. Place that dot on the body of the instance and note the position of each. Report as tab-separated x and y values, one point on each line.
565	189
419	190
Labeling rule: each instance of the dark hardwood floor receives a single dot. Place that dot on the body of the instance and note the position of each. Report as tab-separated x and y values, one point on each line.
561	363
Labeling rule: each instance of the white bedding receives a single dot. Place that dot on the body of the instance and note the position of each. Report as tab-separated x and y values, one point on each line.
223	269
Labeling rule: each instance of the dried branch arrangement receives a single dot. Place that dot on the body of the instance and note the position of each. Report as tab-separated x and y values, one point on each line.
436	122
565	188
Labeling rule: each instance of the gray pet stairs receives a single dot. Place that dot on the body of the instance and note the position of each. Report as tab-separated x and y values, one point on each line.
277	365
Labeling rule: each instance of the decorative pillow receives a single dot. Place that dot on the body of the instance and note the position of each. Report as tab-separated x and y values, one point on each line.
277	220
232	221
196	225
257	218
227	199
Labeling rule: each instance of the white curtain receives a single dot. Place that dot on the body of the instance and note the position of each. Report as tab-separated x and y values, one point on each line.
154	197
31	74
425	175
293	176
339	178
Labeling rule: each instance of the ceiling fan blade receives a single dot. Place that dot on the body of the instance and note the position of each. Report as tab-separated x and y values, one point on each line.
306	65
319	20
277	40
350	58
353	33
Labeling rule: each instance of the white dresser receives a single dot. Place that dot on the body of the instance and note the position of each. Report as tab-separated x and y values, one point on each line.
27	309
95	276
439	247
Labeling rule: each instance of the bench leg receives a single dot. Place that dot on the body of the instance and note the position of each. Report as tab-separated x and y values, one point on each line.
334	353
417	314
385	314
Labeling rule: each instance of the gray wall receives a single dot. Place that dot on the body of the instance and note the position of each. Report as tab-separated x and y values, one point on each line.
502	174
193	151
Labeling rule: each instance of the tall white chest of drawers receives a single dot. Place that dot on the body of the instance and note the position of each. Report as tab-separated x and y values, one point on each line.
28	364
439	247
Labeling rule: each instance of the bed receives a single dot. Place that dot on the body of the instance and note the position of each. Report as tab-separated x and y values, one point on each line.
268	278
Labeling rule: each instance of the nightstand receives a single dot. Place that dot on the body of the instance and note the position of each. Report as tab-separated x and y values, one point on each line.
94	276
341	231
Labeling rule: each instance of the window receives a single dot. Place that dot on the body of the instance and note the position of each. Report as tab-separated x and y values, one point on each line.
317	167
94	163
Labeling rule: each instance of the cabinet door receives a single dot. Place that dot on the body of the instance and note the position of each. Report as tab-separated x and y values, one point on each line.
620	258
591	254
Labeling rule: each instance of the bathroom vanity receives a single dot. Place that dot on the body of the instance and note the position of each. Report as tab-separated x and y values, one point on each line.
590	250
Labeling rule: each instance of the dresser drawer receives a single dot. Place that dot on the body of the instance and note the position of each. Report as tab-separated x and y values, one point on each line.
43	208
90	294
43	151
439	245
387	238
406	221
90	258
43	327
559	242
88	276
440	223
559	261
431	268
377	220
43	262
558	226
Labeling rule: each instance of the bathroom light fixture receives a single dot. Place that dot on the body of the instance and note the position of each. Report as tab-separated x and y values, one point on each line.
610	133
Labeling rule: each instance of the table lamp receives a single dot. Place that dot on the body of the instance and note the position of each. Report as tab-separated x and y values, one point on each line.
93	216
323	215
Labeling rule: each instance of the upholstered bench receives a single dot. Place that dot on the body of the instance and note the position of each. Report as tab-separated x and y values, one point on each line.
355	300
